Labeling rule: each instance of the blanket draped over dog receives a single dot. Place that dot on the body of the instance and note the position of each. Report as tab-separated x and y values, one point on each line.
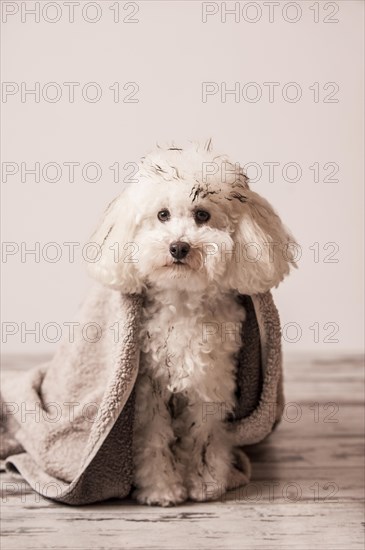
67	425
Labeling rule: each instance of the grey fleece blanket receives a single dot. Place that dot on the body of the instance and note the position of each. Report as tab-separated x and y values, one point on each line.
67	425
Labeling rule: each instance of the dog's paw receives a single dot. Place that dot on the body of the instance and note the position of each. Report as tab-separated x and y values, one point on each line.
167	496
205	487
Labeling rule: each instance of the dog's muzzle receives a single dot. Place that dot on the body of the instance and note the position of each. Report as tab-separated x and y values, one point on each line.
179	250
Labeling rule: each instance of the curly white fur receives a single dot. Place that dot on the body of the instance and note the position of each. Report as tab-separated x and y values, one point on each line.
192	325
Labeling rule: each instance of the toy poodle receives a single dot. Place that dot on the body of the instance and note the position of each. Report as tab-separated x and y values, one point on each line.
190	236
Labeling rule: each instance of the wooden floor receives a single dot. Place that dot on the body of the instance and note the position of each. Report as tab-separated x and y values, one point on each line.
307	487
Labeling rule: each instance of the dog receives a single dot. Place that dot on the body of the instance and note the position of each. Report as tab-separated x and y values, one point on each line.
191	236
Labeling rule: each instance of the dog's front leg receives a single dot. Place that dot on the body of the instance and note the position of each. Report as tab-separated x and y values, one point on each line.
157	478
206	450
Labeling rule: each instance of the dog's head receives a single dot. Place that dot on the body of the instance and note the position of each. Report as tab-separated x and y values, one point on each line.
191	220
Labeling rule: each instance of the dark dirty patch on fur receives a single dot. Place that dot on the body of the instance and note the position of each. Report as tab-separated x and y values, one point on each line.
198	191
107	235
158	168
174	149
176	172
204	451
195	192
238	196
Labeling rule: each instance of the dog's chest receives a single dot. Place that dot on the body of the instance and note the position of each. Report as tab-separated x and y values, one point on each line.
191	345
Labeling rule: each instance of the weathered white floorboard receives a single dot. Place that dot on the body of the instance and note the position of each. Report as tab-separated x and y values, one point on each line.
307	488
284	526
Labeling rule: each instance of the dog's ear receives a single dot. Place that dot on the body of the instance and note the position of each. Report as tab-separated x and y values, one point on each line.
264	248
116	253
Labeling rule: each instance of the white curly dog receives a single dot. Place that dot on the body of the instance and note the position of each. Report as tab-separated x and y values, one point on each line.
190	235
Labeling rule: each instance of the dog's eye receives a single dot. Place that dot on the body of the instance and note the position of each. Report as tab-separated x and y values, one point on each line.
163	215
201	216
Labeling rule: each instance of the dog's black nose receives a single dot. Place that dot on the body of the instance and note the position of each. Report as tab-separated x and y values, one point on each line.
179	250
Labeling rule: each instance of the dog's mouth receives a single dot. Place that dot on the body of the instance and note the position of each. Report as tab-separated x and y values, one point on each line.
177	263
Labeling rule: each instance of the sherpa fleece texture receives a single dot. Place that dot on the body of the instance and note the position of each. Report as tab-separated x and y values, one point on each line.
67	425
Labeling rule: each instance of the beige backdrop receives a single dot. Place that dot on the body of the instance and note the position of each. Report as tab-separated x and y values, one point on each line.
297	72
